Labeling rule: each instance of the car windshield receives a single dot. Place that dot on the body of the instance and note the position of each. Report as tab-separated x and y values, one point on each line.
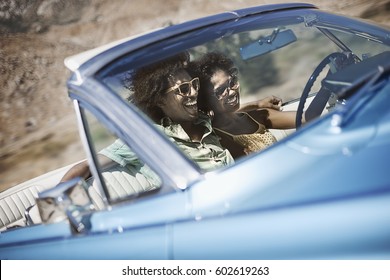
272	56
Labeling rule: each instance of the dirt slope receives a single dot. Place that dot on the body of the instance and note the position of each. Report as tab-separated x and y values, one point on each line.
38	130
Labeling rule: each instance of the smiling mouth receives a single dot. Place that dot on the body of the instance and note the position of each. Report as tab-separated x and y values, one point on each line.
232	100
192	104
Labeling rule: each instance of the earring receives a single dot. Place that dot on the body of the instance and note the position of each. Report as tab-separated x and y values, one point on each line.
211	114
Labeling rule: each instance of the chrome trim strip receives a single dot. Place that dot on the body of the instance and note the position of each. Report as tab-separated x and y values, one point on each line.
90	156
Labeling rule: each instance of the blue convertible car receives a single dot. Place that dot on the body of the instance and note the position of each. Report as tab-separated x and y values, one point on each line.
322	191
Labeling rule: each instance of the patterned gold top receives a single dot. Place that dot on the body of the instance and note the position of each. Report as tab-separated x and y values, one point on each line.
253	142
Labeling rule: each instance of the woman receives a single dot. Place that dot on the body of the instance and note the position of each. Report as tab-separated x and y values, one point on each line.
242	130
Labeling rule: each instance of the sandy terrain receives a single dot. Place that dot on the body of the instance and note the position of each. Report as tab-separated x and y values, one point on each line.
38	130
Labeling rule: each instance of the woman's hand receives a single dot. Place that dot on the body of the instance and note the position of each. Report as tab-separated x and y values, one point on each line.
271	102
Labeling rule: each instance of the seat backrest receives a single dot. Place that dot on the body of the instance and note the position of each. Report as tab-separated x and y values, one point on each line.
14	201
120	181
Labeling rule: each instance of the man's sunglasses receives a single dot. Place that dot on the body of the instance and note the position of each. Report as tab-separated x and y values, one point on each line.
231	84
185	88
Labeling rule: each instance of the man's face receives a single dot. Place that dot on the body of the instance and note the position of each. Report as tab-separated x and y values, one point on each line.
180	105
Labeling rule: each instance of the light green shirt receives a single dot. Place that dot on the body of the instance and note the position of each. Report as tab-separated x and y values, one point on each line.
207	153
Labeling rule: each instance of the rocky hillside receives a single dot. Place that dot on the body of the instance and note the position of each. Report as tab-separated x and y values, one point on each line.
38	130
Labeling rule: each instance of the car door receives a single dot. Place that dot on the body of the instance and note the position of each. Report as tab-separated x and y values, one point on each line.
130	218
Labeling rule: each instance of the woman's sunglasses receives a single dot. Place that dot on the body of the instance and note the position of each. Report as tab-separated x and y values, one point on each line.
184	89
231	84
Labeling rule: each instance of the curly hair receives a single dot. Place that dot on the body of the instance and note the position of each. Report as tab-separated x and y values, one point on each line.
150	82
205	68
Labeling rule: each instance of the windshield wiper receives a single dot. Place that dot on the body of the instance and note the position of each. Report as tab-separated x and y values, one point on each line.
338	42
361	89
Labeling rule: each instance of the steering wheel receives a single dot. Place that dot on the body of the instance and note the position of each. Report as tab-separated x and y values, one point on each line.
317	71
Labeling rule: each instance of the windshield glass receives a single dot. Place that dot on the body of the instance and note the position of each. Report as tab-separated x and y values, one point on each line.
254	71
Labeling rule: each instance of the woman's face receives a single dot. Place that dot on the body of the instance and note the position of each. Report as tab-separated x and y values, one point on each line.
224	92
180	103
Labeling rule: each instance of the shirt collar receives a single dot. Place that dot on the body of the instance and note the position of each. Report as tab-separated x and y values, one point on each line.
175	130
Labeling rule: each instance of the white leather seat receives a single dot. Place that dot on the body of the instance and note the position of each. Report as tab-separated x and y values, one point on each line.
120	181
15	201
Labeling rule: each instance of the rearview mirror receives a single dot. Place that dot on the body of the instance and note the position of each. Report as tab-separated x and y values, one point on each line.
268	44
